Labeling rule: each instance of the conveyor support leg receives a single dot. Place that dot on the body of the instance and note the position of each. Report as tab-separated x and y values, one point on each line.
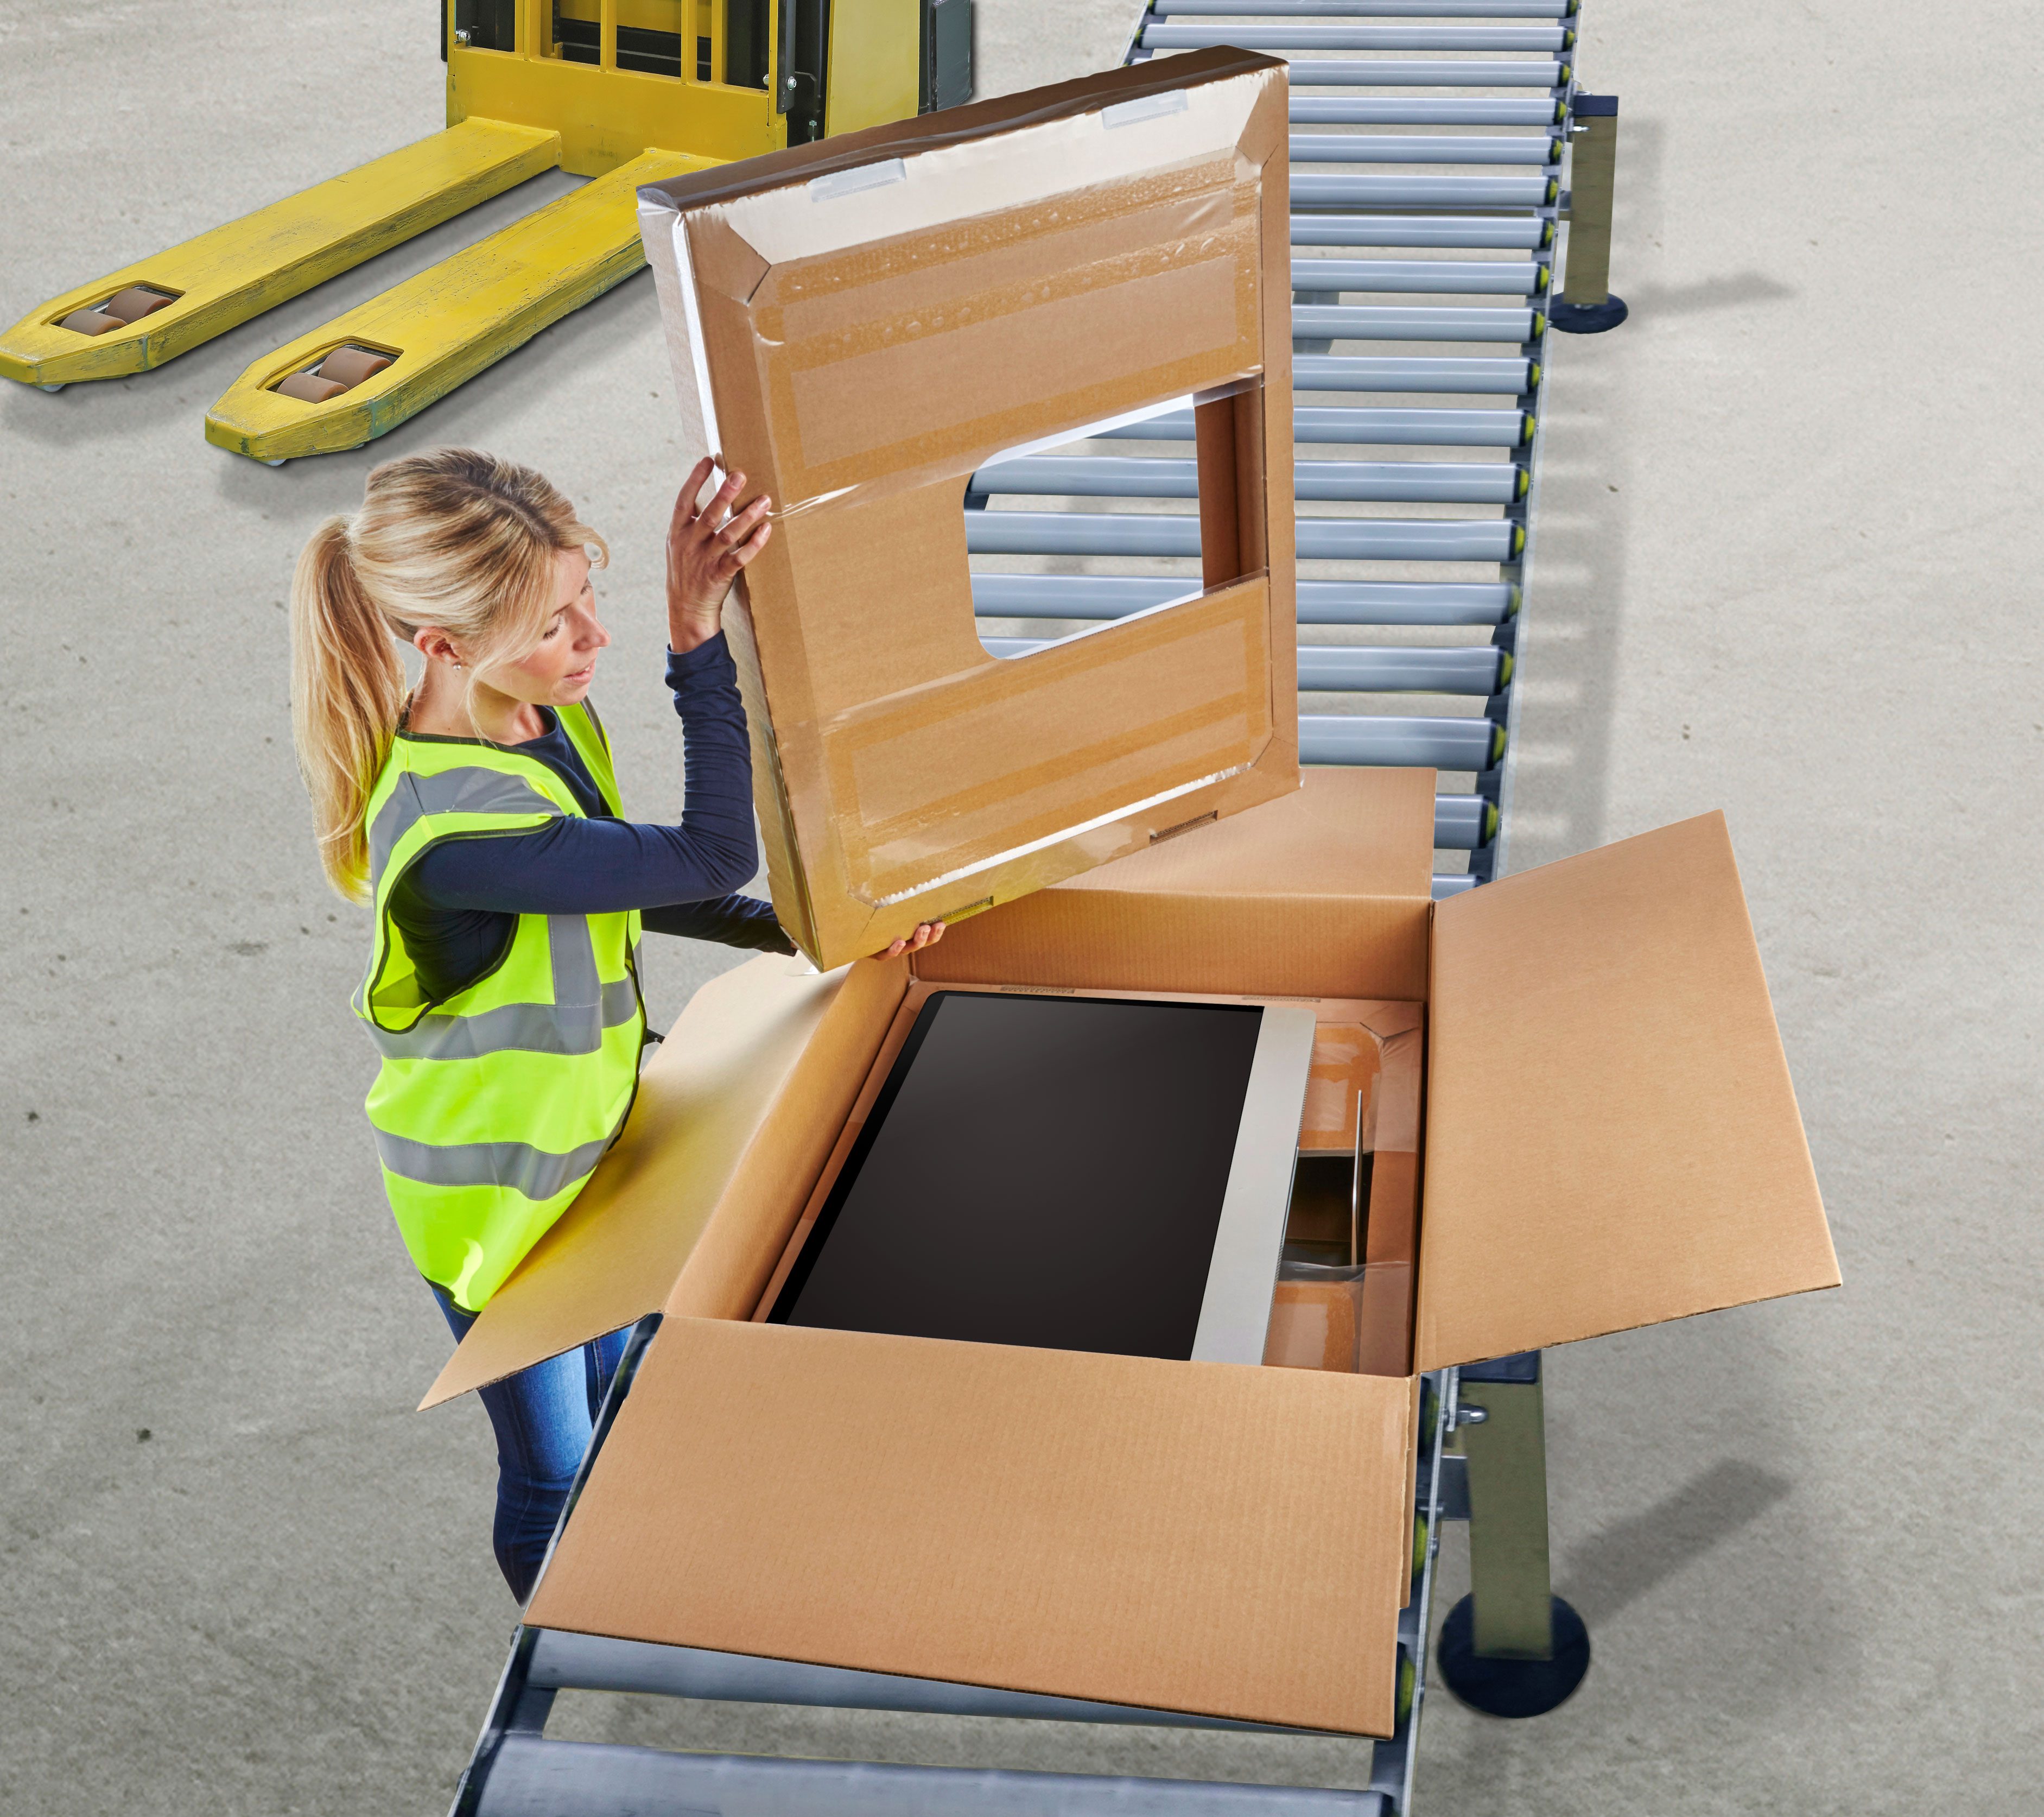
1510	1647
1586	306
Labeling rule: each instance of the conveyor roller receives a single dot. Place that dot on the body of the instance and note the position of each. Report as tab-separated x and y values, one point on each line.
1095	596
1360	321
1434	277
1386	72
1420	427
1423	110
532	1776
1364	9
1461	822
1470	233
1308	38
1312	190
1357	669
1390	743
1320	372
1320	539
1388	148
1384	482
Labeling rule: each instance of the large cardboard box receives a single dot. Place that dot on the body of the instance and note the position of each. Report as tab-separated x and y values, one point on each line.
1609	1135
860	325
1611	1140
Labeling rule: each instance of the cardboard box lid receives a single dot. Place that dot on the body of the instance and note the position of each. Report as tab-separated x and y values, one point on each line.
1205	1537
1613	1139
858	325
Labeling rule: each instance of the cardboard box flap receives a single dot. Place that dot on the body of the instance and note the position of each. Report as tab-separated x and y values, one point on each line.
1321	893
752	1063
1186	1536
858	326
1611	1136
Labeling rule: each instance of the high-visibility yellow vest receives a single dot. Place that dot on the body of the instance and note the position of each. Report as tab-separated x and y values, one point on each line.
492	1106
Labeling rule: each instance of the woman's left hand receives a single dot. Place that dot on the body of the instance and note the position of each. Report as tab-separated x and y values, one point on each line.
927	933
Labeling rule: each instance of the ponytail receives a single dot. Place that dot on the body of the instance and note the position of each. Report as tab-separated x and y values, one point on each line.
347	697
452	539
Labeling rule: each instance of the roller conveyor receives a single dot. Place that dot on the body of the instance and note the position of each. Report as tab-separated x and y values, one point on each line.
1370	80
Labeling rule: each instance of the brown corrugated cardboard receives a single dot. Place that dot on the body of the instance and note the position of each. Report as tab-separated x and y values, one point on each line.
1611	1136
757	1073
883	1557
860	325
1323	893
1188	1536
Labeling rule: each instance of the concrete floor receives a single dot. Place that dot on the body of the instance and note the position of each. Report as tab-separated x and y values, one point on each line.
1781	571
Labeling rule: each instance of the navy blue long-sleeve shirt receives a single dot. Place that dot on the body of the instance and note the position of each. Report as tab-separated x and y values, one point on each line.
457	906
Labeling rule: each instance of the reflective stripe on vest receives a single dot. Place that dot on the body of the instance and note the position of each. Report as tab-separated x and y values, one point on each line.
491	1107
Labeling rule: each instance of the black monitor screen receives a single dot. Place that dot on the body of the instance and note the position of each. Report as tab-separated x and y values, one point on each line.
1046	1171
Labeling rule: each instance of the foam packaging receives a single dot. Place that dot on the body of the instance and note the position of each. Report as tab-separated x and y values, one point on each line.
858	325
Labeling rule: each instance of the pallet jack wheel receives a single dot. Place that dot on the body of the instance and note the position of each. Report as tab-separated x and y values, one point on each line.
1512	1687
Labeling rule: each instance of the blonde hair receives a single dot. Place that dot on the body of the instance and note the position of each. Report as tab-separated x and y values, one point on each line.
453	538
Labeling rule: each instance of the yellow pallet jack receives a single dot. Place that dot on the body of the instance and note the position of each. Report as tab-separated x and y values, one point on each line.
625	92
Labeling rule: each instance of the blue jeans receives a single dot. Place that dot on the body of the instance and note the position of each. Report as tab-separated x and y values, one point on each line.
543	1417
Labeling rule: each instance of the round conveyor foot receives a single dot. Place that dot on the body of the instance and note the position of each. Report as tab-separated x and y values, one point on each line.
1587	318
51	389
1512	1687
273	463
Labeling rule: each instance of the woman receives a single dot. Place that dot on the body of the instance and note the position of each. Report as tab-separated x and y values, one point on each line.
479	818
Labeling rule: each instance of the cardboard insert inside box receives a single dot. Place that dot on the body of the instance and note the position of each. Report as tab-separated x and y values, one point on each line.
1610	1140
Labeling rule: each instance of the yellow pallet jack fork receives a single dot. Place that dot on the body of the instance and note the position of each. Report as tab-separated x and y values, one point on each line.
218	280
592	87
439	329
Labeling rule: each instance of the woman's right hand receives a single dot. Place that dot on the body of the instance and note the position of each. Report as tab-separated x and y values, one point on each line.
706	548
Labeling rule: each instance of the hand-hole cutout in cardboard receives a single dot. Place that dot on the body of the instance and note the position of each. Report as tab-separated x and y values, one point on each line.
858	348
